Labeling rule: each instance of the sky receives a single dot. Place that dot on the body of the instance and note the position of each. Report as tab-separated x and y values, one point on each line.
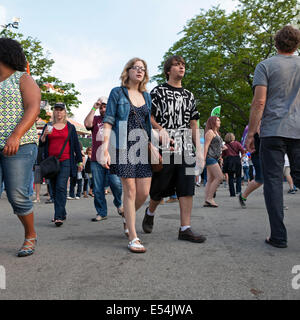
92	40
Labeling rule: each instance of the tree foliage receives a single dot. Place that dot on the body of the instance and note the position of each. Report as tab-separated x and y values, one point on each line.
40	65
221	52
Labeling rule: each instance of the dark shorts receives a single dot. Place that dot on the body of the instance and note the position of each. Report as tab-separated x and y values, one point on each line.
173	179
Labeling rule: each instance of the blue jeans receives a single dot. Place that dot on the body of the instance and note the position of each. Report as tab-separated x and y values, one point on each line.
59	190
100	175
246	173
16	172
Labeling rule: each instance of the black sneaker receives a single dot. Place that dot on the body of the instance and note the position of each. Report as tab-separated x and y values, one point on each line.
147	222
291	191
189	235
242	201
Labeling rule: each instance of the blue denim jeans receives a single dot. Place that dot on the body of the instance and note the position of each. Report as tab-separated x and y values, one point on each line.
59	190
100	175
16	172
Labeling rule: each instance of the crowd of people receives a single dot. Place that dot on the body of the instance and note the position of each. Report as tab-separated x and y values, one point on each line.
131	124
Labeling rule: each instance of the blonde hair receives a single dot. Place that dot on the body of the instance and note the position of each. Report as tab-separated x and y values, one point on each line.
229	137
125	74
65	117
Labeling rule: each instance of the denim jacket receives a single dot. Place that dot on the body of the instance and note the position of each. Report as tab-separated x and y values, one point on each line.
117	113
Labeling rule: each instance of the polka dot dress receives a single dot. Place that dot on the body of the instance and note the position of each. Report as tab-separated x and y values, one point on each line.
133	162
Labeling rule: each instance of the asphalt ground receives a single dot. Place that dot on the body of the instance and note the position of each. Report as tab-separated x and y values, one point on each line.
84	260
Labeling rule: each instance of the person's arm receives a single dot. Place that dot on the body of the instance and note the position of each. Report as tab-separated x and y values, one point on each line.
88	121
77	151
207	141
256	112
31	96
105	156
196	142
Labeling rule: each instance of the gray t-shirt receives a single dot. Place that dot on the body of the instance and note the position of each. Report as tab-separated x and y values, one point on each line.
281	75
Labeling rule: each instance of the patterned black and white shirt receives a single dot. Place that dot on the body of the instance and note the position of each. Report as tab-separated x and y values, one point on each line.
173	109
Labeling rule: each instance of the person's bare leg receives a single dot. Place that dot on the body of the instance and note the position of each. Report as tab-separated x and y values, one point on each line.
129	192
290	181
215	172
252	186
37	191
153	205
186	205
28	224
142	191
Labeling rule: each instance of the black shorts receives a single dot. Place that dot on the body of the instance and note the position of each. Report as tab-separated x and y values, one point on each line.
173	178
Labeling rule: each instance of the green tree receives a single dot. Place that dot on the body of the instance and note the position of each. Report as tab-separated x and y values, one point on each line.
40	65
222	50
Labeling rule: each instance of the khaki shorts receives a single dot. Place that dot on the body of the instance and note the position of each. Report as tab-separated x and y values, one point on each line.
286	171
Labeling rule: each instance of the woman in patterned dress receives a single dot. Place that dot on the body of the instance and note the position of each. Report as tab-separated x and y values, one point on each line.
19	106
130	104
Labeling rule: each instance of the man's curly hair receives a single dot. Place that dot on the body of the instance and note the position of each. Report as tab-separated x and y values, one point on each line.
12	54
287	39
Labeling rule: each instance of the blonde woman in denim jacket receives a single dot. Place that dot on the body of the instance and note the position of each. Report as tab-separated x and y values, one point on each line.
128	111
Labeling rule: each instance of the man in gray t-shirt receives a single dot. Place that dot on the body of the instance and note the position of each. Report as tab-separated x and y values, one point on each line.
276	102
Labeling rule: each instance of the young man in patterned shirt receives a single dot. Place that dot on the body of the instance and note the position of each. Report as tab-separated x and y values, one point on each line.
175	115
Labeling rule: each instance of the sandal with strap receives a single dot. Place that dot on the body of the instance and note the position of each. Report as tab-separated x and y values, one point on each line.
135	246
28	249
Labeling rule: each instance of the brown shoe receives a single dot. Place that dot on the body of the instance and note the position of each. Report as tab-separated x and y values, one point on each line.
189	235
147	222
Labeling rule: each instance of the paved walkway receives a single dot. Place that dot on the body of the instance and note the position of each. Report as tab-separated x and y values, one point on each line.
88	260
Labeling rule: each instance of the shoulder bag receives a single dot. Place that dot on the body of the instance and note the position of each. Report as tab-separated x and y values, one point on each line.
50	166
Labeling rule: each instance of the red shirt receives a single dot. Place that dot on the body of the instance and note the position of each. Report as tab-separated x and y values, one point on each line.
97	136
233	149
56	141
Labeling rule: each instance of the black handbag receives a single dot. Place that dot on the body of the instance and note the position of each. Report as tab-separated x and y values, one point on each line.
50	166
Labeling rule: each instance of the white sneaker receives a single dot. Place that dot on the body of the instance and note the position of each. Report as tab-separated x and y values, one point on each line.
70	198
77	198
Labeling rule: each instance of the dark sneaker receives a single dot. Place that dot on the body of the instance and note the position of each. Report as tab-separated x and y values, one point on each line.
189	235
242	201
291	191
275	244
147	222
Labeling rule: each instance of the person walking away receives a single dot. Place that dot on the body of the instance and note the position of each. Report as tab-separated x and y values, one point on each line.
232	163
276	103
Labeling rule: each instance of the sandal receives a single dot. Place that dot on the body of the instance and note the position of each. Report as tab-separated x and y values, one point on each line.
135	246
58	223
209	205
28	249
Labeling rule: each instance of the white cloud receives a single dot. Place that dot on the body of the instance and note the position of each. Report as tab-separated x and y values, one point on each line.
2	15
89	66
